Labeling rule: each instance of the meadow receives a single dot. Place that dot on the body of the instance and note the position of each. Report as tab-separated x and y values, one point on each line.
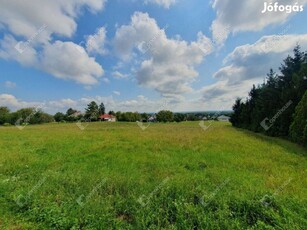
168	176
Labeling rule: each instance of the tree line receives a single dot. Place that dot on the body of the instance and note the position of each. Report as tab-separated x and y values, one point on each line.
278	107
25	115
93	112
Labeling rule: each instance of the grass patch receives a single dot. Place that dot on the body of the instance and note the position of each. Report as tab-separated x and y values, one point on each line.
170	176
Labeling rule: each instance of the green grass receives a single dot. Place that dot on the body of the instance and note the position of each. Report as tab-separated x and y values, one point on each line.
170	176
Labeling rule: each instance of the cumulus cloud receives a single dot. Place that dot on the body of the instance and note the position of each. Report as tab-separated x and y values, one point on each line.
60	59
63	60
169	64
24	19
254	61
8	51
248	65
33	22
139	103
10	85
164	3
119	75
236	16
63	104
14	103
96	43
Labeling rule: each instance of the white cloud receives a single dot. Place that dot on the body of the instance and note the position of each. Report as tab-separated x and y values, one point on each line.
63	60
24	19
169	63
10	85
96	43
119	75
222	94
106	80
9	52
117	93
164	3
254	61
60	59
248	65
140	104
63	104
14	103
36	21
236	16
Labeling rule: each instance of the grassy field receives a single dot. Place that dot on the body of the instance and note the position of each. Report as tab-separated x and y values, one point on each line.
170	176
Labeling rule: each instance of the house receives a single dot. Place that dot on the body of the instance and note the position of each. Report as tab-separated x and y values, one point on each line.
223	118
152	118
107	117
76	114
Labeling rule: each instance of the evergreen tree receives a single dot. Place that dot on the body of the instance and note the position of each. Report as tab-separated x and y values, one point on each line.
92	111
298	128
275	100
102	109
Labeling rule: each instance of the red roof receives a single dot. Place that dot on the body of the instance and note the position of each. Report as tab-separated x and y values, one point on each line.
106	116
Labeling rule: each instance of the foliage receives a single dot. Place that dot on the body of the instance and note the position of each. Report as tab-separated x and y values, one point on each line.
128	116
269	107
4	115
179	117
24	116
298	128
102	109
92	111
70	112
165	116
58	117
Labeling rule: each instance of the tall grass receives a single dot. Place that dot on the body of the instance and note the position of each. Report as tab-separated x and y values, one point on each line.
170	176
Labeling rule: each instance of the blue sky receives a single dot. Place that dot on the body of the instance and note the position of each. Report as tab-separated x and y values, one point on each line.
137	55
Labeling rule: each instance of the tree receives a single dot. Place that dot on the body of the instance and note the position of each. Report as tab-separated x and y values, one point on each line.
192	117
4	115
111	113
144	117
179	117
298	128
70	112
58	117
128	116
25	115
92	111
40	117
102	109
165	116
270	106
70	115
237	109
118	115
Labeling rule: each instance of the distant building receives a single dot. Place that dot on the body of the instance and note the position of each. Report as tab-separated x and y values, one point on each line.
76	114
223	118
107	117
152	118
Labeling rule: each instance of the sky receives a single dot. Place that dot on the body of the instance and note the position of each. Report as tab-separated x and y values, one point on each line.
142	55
